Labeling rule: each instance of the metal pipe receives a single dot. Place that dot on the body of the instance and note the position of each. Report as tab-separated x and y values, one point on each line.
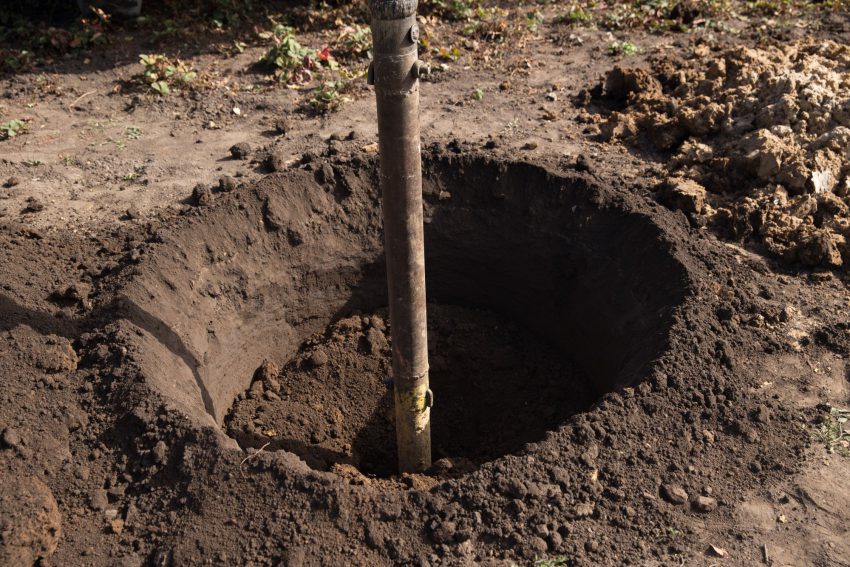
395	72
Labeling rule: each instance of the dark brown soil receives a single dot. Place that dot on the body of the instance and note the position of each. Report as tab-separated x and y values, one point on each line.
499	386
664	397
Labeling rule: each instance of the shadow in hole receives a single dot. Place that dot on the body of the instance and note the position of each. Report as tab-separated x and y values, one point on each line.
12	314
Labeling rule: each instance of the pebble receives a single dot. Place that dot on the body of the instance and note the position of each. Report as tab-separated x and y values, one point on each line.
11	438
160	452
318	358
704	504
227	183
674	493
11	182
99	499
201	195
241	150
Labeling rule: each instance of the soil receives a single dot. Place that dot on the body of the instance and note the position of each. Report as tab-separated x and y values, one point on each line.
662	371
332	403
757	140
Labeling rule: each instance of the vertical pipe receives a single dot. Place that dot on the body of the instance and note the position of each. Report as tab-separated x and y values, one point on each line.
395	72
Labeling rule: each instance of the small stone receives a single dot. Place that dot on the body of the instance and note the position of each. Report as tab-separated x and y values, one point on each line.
33	206
12	182
674	493
761	415
99	499
442	532
227	184
318	358
133	212
538	545
11	438
241	150
683	194
370	148
584	510
704	504
281	125
117	526
201	195
591	545
160	452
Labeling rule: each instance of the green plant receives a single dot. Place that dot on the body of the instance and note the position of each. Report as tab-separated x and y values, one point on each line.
623	48
831	431
286	55
162	73
533	20
328	97
576	16
559	561
455	10
478	94
133	132
355	40
12	128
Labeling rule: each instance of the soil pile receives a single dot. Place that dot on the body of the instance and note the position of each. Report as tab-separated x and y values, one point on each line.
759	141
496	386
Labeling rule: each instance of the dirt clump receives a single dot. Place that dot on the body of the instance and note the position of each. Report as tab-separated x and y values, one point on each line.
763	134
30	523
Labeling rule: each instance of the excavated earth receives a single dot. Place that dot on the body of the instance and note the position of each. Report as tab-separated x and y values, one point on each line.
610	381
756	141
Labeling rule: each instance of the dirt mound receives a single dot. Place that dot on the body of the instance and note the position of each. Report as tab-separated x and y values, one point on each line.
30	523
332	403
766	132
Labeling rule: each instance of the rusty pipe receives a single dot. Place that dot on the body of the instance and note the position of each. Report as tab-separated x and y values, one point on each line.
395	72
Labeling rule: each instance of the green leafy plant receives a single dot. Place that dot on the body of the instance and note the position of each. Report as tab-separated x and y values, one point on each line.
12	128
329	97
162	73
478	94
290	59
454	10
355	40
831	431
533	20
623	48
575	17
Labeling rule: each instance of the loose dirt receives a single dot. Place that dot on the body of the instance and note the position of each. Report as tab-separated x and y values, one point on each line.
757	141
500	388
689	415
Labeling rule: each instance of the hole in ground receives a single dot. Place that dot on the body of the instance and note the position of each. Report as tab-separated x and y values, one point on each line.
499	387
546	292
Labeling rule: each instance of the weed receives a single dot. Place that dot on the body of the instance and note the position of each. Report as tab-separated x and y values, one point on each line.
12	128
293	62
478	94
133	132
454	10
162	73
449	53
355	41
831	431
575	17
558	561
33	162
533	20
623	48
328	96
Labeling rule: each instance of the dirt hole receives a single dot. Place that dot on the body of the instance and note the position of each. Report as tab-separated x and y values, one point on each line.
545	294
